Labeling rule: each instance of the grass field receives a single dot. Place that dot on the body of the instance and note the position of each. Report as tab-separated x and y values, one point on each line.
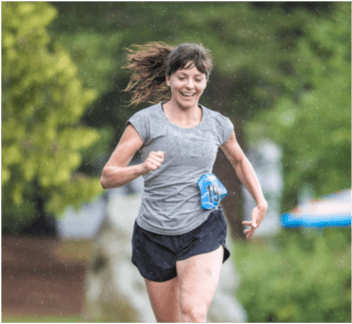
41	319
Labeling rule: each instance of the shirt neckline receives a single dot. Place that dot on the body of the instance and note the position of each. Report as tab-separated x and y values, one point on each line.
182	128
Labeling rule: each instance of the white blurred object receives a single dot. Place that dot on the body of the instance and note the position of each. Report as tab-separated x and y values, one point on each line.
333	210
266	160
85	222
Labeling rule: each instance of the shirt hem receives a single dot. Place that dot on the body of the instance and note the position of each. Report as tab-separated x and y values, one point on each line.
141	223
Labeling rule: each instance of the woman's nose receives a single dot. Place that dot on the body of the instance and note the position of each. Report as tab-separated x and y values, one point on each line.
190	84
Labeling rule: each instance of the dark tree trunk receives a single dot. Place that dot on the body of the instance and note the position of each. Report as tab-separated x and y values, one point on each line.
44	224
220	97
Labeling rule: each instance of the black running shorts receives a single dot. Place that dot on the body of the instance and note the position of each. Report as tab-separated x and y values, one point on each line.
155	255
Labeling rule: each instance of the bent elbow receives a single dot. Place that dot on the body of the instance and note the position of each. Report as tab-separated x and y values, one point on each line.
111	178
103	182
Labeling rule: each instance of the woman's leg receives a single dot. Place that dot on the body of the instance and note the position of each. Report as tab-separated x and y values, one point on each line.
164	299
198	277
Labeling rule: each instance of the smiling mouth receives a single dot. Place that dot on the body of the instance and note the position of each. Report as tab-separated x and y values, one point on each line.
187	94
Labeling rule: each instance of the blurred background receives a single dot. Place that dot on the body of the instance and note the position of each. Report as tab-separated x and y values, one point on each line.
282	75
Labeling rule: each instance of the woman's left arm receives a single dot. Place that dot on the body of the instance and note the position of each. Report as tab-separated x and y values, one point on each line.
247	176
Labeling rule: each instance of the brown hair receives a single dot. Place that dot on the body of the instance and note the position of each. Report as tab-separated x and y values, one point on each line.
149	64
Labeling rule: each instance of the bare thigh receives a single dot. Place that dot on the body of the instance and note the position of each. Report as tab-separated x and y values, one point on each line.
164	300
198	277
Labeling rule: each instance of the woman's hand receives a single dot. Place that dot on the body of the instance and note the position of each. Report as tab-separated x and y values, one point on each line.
258	214
153	161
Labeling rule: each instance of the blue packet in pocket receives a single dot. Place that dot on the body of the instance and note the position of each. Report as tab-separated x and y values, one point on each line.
212	191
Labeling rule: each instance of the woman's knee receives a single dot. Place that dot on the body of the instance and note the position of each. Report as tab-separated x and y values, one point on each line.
192	312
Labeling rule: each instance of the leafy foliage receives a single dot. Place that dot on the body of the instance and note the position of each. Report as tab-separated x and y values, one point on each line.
311	122
308	277
42	103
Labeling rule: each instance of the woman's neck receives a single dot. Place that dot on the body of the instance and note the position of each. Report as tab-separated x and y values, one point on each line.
183	117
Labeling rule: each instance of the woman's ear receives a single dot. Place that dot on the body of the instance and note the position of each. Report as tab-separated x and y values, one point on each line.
206	82
167	77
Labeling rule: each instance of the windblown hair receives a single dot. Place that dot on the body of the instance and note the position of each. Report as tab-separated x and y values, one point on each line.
149	64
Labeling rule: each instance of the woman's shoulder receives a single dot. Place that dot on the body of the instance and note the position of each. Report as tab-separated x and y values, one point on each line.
215	115
220	125
144	120
149	111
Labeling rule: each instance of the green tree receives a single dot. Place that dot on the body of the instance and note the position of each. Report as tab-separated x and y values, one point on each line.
42	103
311	122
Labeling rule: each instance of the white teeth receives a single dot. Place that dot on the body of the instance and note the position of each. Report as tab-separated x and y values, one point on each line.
187	94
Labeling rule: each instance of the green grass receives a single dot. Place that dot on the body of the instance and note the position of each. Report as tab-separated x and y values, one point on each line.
42	319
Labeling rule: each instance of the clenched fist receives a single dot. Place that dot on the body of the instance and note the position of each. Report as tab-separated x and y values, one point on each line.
153	161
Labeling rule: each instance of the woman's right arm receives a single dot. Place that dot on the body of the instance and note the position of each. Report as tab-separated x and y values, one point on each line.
116	171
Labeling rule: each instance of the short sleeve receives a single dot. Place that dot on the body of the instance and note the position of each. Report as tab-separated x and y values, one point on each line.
222	126
227	130
140	122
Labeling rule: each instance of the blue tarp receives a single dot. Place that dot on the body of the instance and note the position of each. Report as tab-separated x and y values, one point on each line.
331	211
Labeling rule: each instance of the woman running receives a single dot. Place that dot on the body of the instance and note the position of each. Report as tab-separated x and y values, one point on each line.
178	246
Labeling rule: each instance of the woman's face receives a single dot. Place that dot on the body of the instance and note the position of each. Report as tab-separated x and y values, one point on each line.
187	86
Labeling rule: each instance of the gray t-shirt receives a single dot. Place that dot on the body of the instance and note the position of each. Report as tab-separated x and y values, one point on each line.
171	198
